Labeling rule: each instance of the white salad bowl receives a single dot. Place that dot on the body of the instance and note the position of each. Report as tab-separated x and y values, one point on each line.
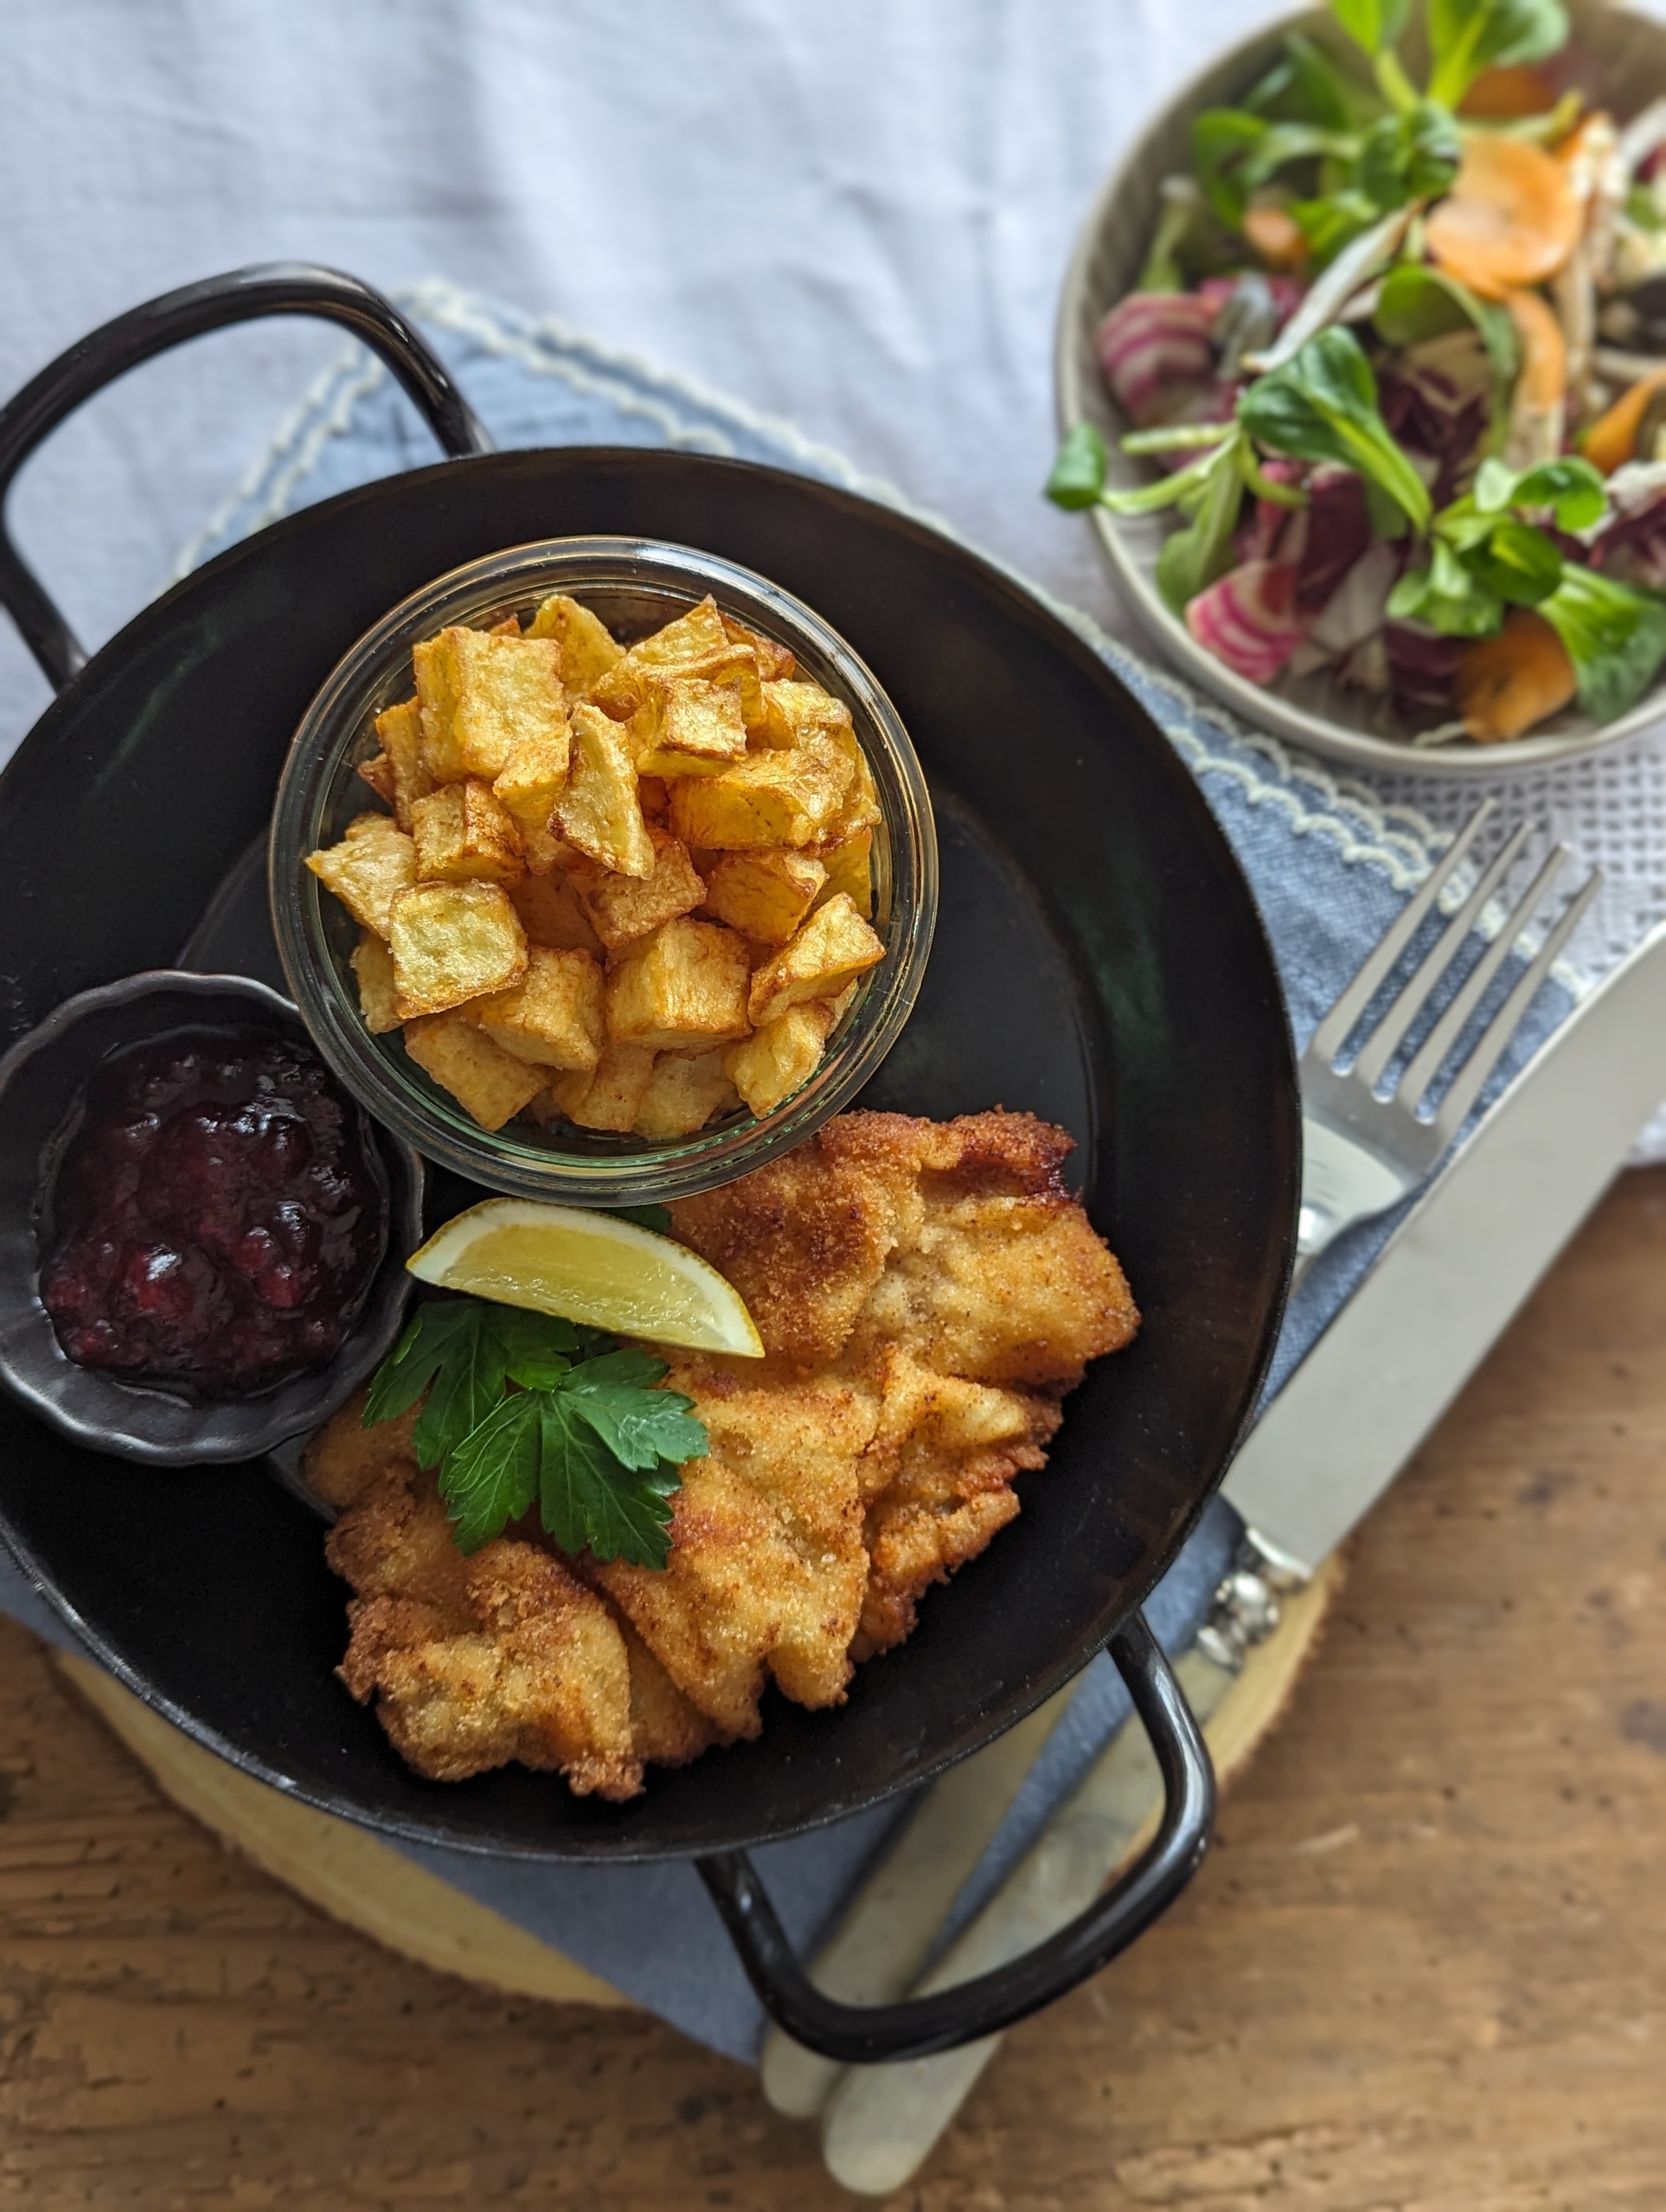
1624	64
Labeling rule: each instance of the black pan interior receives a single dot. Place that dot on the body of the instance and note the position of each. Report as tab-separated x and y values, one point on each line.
1098	960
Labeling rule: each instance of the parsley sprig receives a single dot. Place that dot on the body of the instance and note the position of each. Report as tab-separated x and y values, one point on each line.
586	1433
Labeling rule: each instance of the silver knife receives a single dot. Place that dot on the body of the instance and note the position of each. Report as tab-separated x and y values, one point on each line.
1441	1291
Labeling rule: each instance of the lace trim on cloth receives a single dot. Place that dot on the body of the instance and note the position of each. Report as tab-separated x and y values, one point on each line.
1609	808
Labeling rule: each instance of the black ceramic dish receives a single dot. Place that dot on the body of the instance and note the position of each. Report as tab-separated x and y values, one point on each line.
1099	959
39	1078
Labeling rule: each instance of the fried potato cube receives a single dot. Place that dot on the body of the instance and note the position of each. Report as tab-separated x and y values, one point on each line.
785	1053
622	909
859	809
463	833
588	649
551	914
766	895
610	1095
378	773
554	1017
509	627
373	863
793	710
774	662
693	721
535	776
653	796
684	1092
683	987
400	732
481	695
694	645
768	799
598	811
451	942
488	1083
849	866
833	948
691	637
373	965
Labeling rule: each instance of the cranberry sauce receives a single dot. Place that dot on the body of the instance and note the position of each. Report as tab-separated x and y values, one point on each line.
216	1216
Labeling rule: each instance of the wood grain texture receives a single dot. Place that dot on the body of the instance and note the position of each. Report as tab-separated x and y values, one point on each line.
1424	1970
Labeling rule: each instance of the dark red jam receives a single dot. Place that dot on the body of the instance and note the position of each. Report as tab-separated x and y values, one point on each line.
216	1216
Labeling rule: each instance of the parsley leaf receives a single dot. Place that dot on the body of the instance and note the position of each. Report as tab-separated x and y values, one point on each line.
524	1408
491	1478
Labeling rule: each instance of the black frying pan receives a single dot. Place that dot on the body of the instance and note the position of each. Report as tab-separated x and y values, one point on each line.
1099	959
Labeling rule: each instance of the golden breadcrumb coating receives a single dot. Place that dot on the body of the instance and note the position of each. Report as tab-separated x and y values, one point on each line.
926	1293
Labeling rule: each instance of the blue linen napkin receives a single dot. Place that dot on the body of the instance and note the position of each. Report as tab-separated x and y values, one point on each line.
1330	866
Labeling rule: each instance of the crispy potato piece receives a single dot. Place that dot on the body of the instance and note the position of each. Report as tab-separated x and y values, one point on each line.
694	645
598	811
785	1053
622	909
767	798
775	662
859	809
488	1083
373	863
694	721
482	695
685	987
509	627
378	773
555	1016
684	1091
834	947
850	868
463	834
766	895
551	914
793	710
400	732
535	776
451	942
610	1095
654	797
373	964
588	649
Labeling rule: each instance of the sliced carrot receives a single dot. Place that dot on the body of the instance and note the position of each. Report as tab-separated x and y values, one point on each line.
1502	95
1508	683
1512	218
1543	378
1612	438
1276	237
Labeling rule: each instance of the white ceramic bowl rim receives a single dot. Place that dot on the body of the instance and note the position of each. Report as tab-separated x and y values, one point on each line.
1130	544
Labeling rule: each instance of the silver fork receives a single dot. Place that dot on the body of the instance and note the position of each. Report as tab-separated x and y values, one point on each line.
1362	1154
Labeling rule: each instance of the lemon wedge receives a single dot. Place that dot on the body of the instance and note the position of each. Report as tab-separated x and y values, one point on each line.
588	1267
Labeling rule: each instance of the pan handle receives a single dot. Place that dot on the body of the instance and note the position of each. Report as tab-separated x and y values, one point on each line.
270	288
871	2035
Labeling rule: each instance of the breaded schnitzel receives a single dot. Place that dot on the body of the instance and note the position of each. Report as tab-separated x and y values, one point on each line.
926	1292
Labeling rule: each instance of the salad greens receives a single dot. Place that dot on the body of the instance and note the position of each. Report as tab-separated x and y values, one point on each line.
1384	351
585	1434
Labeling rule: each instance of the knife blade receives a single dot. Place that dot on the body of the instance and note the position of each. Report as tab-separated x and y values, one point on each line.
1453	1274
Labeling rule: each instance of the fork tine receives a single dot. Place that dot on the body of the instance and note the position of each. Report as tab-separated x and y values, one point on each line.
1447	1030
1379	1048
1332	1033
1466	1084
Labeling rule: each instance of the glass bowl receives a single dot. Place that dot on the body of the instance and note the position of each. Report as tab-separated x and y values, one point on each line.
634	586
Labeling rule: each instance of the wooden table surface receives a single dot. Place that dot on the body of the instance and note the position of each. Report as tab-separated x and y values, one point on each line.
1423	1971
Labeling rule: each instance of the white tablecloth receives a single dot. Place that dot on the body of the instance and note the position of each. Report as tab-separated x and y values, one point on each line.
853	214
